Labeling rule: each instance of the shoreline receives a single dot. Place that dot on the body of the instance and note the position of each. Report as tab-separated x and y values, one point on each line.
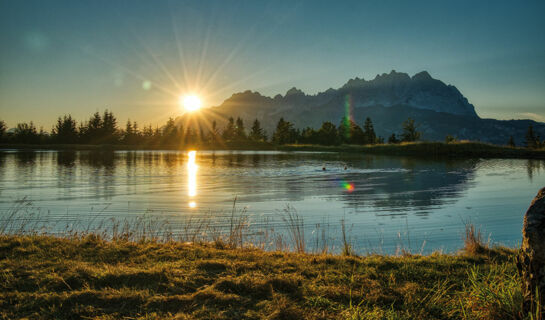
418	149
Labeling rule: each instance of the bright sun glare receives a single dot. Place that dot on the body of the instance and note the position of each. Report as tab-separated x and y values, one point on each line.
190	103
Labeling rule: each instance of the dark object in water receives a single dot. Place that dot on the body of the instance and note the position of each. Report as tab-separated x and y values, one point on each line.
345	168
323	168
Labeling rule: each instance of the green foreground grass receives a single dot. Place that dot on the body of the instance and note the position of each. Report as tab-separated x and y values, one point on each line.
45	277
462	149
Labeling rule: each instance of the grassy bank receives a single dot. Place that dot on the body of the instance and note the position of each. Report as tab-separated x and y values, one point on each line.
418	149
430	149
49	277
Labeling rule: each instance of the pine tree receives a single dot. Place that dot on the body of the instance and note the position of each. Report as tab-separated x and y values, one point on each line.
213	135
350	132
3	128
82	132
284	133
128	135
240	133
93	129
309	135
147	134
171	134
229	131
511	142
530	138
65	131
109	128
128	127
344	130
137	134
256	133
369	132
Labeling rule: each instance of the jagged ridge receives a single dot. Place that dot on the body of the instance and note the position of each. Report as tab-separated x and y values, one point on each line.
388	99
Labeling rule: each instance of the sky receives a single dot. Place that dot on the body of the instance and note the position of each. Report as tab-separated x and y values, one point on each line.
136	58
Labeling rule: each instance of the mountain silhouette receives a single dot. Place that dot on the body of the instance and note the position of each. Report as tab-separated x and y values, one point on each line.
388	99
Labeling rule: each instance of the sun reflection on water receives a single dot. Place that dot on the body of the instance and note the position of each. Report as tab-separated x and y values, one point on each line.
192	177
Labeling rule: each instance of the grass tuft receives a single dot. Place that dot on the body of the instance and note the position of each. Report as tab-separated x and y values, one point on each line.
473	242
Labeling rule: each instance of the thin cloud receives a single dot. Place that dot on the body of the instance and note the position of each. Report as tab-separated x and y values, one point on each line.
533	116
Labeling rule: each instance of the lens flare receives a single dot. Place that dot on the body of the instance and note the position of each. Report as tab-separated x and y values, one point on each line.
348	186
347	116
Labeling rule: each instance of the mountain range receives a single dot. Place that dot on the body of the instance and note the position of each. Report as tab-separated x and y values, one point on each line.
388	99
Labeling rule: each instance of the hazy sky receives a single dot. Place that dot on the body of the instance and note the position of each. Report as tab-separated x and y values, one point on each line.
136	57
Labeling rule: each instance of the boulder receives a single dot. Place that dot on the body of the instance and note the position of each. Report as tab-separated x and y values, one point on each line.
531	260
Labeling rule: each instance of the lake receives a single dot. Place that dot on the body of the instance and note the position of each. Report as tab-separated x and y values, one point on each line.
387	203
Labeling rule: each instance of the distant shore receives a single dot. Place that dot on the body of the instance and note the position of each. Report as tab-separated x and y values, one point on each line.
417	149
431	149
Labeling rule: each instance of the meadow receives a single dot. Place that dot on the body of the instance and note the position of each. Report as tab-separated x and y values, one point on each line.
136	272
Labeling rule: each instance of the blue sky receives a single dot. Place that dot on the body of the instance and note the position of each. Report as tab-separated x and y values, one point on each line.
137	57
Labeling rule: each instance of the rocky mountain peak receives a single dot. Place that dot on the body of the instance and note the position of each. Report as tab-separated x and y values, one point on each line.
354	83
387	90
423	75
392	76
294	91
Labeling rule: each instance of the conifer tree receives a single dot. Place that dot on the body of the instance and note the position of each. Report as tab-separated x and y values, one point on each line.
240	133
229	131
369	132
109	128
511	142
213	135
3	129
65	130
257	133
284	133
530	138
350	132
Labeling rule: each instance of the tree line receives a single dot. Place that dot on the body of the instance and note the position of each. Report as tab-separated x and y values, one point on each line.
104	129
347	132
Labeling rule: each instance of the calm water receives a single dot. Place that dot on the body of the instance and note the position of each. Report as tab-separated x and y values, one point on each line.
386	202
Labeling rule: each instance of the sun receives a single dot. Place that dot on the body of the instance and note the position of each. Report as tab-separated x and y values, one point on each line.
190	102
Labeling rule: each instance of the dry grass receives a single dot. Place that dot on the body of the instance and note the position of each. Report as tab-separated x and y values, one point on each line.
296	228
473	240
44	277
139	269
